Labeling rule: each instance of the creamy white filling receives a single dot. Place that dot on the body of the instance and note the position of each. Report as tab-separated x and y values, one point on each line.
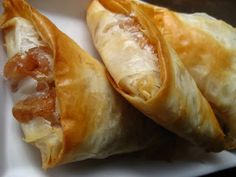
25	88
132	64
20	36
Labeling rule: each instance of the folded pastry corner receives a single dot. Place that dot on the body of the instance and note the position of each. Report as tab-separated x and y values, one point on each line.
149	74
62	98
207	47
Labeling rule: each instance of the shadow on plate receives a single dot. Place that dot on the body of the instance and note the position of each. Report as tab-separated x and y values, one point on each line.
137	163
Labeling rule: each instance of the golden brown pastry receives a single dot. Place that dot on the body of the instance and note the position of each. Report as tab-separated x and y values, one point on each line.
149	74
207	47
63	99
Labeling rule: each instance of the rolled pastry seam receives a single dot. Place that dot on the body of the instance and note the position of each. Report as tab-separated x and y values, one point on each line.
148	73
64	102
207	47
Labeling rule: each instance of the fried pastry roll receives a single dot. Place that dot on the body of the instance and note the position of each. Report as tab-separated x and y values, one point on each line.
149	74
207	47
62	98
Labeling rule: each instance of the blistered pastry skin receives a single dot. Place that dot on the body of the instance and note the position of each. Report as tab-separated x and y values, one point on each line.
95	122
177	104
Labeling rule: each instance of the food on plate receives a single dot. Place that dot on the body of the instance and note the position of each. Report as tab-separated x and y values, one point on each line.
148	73
62	98
207	47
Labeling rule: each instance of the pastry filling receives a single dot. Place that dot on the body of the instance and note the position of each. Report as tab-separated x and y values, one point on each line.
32	61
129	56
145	85
29	70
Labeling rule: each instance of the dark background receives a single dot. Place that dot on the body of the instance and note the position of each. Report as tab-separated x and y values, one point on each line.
221	9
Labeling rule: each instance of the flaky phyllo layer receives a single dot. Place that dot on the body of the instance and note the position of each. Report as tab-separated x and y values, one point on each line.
30	72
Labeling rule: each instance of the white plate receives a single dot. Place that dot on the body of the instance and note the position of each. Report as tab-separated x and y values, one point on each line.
18	159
